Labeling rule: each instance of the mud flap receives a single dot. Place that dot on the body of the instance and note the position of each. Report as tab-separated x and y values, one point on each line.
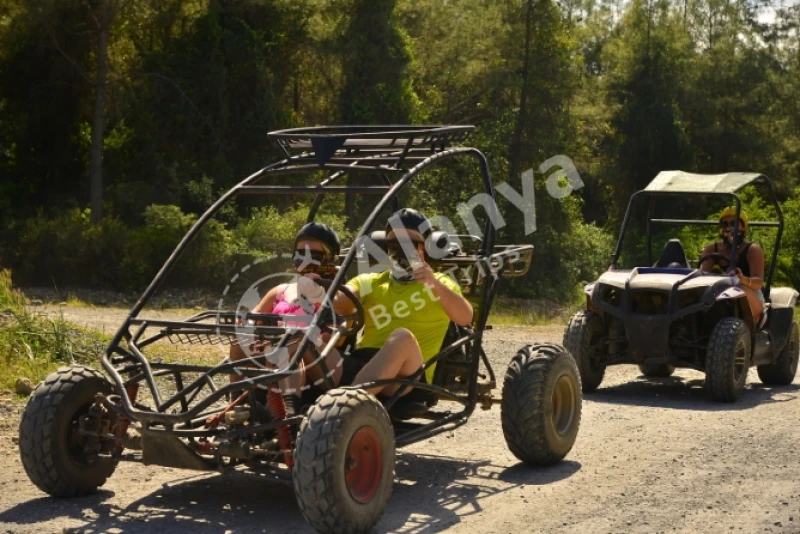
169	451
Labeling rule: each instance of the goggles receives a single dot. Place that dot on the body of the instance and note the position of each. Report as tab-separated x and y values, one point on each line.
313	261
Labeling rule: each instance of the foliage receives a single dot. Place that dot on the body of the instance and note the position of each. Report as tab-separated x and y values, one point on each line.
31	346
68	250
625	89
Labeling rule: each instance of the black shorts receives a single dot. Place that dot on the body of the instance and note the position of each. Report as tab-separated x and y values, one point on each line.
356	360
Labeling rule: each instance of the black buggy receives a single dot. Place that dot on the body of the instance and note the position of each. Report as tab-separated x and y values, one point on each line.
663	313
339	452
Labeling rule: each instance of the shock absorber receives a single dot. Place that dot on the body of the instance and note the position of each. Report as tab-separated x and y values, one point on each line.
277	407
121	427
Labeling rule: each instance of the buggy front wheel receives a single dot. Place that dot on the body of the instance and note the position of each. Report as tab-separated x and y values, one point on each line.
52	445
727	359
541	405
582	339
344	462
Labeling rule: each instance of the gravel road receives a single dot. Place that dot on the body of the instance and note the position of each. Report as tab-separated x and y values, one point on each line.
651	456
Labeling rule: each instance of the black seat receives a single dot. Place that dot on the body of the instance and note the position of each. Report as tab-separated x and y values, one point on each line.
673	255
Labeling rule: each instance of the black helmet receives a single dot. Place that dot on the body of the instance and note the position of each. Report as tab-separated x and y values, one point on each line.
322	233
410	219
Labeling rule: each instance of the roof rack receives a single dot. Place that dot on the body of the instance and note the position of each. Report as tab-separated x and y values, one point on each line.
373	146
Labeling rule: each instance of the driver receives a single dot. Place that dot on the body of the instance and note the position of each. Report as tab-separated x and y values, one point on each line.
316	248
748	258
408	309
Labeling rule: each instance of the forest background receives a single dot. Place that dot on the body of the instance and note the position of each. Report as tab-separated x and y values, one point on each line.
122	120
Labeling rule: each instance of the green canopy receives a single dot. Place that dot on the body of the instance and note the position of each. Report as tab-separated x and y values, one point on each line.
685	182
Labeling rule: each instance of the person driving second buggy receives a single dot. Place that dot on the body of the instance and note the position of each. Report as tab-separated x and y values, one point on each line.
408	309
748	258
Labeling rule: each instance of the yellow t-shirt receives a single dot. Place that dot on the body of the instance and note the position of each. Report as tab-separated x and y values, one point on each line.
389	305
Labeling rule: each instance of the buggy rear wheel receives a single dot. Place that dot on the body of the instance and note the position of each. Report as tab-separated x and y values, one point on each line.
541	405
51	445
727	359
781	372
581	339
658	370
344	462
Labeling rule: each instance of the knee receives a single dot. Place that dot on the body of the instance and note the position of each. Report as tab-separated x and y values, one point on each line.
402	336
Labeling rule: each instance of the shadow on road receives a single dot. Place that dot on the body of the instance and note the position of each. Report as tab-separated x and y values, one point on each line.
430	494
682	394
206	504
434	492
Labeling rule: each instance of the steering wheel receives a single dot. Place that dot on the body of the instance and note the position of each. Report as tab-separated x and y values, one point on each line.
357	316
713	256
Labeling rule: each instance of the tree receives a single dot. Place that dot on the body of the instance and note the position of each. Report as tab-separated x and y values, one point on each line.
45	57
645	70
376	88
104	17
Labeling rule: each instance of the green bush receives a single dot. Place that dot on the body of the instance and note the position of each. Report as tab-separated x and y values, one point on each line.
268	231
32	346
565	261
68	249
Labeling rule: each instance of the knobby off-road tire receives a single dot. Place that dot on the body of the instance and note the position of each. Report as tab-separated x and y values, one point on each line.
344	462
781	372
580	339
727	359
50	452
658	370
541	405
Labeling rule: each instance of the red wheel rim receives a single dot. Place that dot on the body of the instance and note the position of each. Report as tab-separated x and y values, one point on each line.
363	465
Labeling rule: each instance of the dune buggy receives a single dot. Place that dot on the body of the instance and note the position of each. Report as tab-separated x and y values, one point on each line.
339	452
665	314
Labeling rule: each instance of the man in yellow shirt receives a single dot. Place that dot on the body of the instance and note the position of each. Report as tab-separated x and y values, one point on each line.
407	309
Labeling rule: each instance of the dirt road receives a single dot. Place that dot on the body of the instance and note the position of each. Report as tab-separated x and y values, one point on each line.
650	457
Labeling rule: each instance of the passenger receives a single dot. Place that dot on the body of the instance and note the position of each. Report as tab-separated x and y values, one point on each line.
408	309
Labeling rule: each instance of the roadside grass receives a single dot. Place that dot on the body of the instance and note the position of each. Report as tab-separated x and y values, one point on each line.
516	312
32	345
74	302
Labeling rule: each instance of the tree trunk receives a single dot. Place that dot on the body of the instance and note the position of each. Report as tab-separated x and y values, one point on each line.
98	120
515	157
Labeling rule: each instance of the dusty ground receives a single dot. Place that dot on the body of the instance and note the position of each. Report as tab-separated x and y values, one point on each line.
650	457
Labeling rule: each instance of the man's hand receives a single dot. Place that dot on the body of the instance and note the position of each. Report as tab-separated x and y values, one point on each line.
423	273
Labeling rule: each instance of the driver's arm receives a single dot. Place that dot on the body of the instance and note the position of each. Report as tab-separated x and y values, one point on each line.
755	259
342	305
707	265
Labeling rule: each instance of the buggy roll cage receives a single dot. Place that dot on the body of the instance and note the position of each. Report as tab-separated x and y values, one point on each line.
683	184
400	152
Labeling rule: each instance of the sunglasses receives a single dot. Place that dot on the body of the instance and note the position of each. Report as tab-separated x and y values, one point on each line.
727	224
302	256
